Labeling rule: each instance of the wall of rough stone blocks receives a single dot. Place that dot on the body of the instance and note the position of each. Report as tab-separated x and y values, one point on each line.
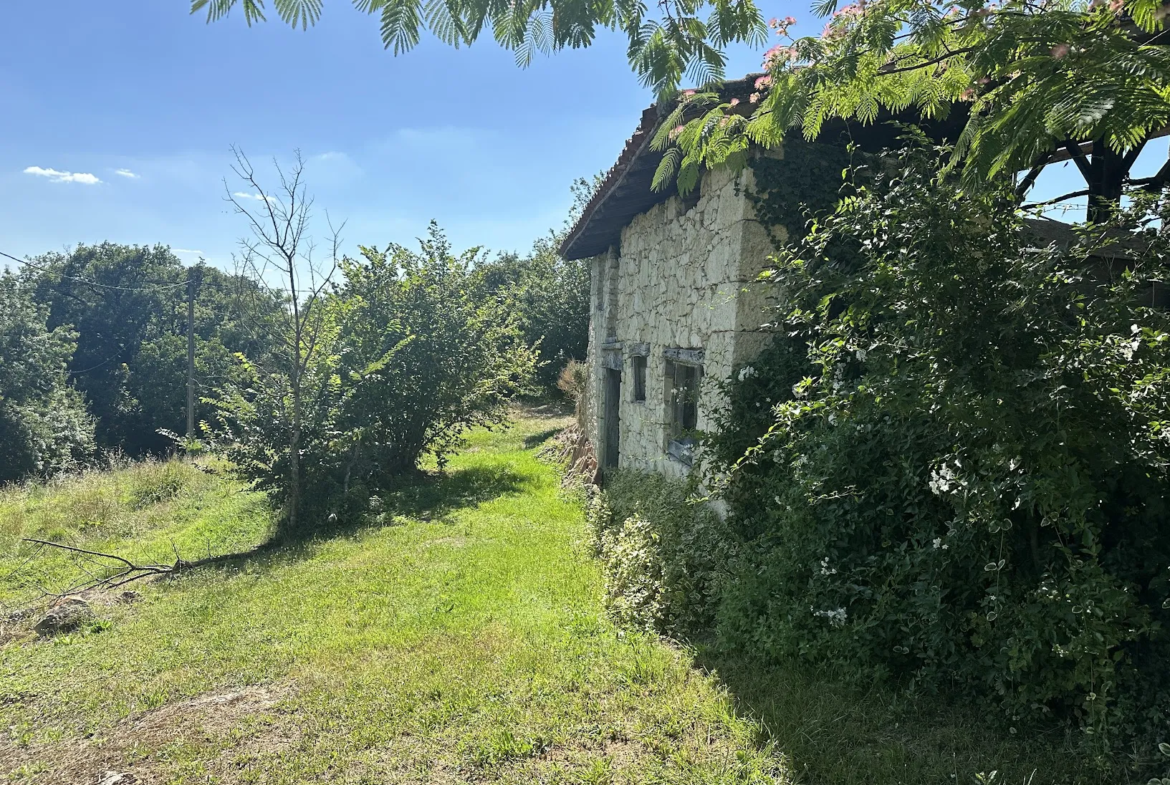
683	278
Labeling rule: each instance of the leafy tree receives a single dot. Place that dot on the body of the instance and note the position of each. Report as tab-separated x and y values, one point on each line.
685	40
127	305
1020	83
116	297
44	427
551	297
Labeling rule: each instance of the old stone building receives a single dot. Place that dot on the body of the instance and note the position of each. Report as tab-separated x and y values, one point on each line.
674	305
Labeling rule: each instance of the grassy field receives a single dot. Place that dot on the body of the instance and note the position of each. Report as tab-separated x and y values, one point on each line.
458	639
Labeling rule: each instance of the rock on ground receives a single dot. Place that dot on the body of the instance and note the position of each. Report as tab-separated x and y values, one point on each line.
68	615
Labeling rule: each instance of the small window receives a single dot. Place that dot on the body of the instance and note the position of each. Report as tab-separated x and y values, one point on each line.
682	408
639	379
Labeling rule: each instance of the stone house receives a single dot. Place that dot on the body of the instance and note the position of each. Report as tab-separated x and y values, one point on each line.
673	305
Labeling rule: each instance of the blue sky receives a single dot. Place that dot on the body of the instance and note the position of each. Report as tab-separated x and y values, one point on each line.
147	100
464	137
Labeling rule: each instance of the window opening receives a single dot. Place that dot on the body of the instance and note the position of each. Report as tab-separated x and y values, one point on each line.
639	379
682	408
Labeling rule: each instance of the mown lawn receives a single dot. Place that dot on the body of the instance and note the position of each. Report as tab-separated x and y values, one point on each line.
458	637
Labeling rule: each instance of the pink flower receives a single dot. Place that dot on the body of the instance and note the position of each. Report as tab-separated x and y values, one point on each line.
773	23
968	94
831	32
733	102
779	54
1117	6
789	21
763	82
688	93
1060	51
755	98
678	129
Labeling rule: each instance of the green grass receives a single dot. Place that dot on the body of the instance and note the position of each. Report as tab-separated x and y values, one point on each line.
463	641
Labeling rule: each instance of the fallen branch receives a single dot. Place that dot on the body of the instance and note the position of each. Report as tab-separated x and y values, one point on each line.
131	573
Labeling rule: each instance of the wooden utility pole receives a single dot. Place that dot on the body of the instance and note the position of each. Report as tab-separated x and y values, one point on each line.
190	352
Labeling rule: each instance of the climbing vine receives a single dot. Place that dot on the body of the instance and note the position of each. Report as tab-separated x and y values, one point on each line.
805	183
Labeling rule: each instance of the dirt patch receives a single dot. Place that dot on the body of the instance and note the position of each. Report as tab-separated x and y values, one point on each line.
216	728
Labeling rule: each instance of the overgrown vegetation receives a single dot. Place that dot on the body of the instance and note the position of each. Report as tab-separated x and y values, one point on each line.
958	478
665	557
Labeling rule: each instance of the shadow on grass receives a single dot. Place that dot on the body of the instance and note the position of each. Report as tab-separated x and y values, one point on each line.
537	439
834	733
421	496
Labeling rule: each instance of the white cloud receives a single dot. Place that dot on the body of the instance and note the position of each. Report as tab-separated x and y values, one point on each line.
85	178
257	197
187	251
126	173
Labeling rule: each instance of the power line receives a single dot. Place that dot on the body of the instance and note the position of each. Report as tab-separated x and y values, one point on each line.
155	286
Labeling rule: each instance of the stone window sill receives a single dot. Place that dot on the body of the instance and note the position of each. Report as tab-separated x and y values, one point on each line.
683	452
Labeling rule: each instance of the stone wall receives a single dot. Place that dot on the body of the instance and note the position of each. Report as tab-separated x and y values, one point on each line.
682	279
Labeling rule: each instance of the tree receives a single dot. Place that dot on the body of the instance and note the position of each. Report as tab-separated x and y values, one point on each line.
128	307
116	298
662	49
551	298
1021	84
293	379
44	427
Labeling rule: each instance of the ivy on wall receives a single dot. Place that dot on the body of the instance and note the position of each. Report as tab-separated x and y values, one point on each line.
806	182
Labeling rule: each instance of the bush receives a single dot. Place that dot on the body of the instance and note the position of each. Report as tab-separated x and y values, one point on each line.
428	352
43	424
665	556
412	353
952	467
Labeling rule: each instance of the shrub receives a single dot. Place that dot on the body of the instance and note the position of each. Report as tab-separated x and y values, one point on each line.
665	556
412	353
951	468
428	353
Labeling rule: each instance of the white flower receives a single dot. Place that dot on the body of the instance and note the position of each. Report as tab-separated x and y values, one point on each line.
941	479
861	355
746	372
836	618
825	568
937	543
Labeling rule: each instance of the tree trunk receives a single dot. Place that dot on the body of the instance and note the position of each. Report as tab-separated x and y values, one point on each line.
1106	178
294	456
